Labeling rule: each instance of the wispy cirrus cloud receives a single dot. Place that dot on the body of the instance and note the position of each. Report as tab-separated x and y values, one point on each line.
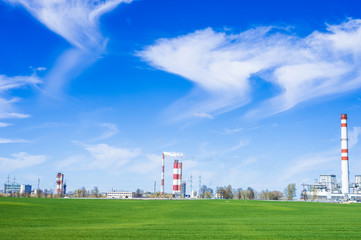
77	21
203	115
228	131
6	140
7	108
4	124
241	144
310	162
20	160
99	156
354	136
221	65
110	130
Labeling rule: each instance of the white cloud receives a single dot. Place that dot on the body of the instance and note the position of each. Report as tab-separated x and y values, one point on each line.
203	115
149	165
241	144
5	140
41	69
73	162
77	21
111	130
100	156
221	65
7	83
228	131
4	124
13	114
7	109
20	160
310	163
106	156
354	136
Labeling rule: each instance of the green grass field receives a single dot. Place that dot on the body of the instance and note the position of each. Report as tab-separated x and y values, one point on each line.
26	218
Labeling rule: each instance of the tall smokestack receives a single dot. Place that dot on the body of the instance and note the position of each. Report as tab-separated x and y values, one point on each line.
179	175
175	177
60	183
162	181
344	155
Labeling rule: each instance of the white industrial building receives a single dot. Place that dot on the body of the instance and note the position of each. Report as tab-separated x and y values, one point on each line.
327	188
12	188
194	194
121	195
25	188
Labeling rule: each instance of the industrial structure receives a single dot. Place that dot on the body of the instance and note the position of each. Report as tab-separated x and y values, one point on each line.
121	195
25	188
60	185
327	188
12	188
177	177
194	194
177	173
183	189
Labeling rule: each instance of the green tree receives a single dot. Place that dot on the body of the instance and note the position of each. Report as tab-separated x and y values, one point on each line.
304	196
290	191
228	193
138	193
251	193
206	192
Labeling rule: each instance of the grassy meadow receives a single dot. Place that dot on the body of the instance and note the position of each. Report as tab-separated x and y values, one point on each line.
30	218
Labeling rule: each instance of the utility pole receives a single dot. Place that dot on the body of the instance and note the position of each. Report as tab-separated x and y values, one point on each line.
8	178
191	181
13	186
155	186
200	185
7	186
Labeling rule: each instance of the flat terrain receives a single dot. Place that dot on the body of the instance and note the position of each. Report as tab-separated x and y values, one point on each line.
25	218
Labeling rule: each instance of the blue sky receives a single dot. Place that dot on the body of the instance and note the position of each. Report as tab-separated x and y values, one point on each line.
250	92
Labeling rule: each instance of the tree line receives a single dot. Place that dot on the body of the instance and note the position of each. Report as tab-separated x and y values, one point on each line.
227	192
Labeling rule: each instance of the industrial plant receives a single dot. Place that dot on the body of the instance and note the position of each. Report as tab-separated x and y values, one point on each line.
327	188
179	187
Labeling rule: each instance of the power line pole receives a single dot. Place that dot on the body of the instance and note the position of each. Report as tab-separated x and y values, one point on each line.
155	186
191	181
6	187
8	178
200	185
13	186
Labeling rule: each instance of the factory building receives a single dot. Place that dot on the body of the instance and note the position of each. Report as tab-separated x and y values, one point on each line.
25	189
327	188
121	195
12	188
194	194
20	188
183	189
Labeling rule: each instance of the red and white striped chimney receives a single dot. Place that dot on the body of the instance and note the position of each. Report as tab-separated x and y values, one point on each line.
60	183
180	165
176	186
344	155
162	181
